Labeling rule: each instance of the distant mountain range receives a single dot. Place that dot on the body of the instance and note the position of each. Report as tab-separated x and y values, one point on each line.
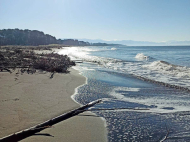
138	43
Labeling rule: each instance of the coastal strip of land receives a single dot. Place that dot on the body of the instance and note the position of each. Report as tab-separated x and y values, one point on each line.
30	99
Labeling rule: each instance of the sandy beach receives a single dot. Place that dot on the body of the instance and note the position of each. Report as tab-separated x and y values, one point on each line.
29	99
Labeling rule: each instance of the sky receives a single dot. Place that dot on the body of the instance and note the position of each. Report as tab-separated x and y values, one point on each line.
140	20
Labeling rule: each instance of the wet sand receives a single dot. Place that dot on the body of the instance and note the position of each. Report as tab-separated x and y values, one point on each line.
29	99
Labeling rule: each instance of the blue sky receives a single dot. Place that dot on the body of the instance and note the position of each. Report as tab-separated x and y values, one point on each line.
141	20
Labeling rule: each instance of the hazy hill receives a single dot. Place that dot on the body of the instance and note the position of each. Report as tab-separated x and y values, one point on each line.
33	37
139	43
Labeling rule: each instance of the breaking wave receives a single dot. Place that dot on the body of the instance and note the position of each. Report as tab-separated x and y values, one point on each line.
167	68
141	56
151	70
113	48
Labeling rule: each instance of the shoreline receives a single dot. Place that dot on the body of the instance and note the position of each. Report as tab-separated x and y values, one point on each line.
23	107
88	112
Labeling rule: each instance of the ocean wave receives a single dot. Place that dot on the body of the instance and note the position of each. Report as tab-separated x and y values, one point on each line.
141	56
116	93
158	104
113	48
83	53
159	72
79	53
167	68
154	71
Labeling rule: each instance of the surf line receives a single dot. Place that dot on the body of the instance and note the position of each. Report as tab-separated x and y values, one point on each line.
47	124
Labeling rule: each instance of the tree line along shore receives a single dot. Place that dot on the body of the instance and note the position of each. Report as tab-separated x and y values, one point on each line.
36	38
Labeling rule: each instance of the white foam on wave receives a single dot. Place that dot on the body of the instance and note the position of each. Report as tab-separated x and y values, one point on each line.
79	53
161	103
141	56
157	71
166	68
160	71
113	48
83	53
117	95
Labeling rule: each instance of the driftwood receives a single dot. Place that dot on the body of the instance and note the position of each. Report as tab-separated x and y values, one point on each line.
16	67
78	61
166	136
1	68
31	131
52	75
118	109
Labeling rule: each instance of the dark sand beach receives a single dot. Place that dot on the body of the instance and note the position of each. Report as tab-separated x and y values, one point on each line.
30	99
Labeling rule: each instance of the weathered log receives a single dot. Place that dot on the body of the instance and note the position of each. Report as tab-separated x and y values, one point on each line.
52	75
28	132
166	136
5	69
118	109
78	61
16	67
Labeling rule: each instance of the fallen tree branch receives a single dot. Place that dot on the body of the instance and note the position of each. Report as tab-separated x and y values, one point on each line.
118	109
16	67
52	75
5	69
166	135
31	131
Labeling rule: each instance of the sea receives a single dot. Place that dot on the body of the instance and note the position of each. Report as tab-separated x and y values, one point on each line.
145	90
